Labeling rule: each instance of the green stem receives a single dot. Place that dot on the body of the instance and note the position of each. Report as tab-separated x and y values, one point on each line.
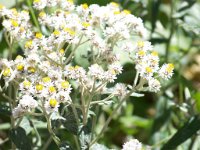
110	117
33	15
47	143
76	142
73	51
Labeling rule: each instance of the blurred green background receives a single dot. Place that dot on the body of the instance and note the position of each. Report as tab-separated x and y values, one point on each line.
174	30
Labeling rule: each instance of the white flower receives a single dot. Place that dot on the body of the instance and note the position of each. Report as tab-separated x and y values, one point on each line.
154	85
39	4
51	105
120	90
27	102
17	111
133	144
116	67
96	71
166	71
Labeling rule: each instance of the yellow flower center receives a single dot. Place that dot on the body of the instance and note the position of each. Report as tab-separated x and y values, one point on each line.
36	1
70	1
19	57
56	33
116	12
38	35
53	102
65	84
85	24
42	14
39	87
29	44
127	11
114	4
27	84
140	44
148	69
113	72
6	72
14	23
154	53
1	6
76	67
31	69
71	68
70	31
52	89
85	6
20	67
61	51
141	53
46	79
170	68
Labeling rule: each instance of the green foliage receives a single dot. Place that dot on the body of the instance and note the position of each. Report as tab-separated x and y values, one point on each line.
20	139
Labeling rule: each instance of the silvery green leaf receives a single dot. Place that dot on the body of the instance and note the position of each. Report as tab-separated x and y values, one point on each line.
56	116
137	94
187	94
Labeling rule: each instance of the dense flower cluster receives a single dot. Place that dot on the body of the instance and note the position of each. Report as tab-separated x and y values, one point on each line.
45	72
132	144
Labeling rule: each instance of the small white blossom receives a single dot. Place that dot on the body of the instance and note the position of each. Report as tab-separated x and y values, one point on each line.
133	144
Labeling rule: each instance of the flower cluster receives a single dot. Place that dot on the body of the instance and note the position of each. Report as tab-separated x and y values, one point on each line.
147	64
132	144
45	72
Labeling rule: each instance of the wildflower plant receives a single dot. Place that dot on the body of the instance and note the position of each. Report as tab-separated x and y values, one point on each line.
47	82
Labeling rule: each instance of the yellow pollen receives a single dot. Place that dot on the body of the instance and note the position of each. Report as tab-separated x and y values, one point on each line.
71	68
85	6
67	13
62	51
19	57
65	84
42	14
46	79
170	68
85	24
1	6
76	67
114	4
52	89
20	67
14	11
154	53
36	1
21	29
70	31
39	87
127	11
53	102
14	23
28	44
70	1
140	44
117	12
141	53
56	33
148	70
38	35
25	11
6	72
113	72
31	69
26	84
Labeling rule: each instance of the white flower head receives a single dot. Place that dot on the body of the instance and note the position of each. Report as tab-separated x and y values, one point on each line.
133	144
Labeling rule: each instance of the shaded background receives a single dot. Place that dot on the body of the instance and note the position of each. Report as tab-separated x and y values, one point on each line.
174	30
